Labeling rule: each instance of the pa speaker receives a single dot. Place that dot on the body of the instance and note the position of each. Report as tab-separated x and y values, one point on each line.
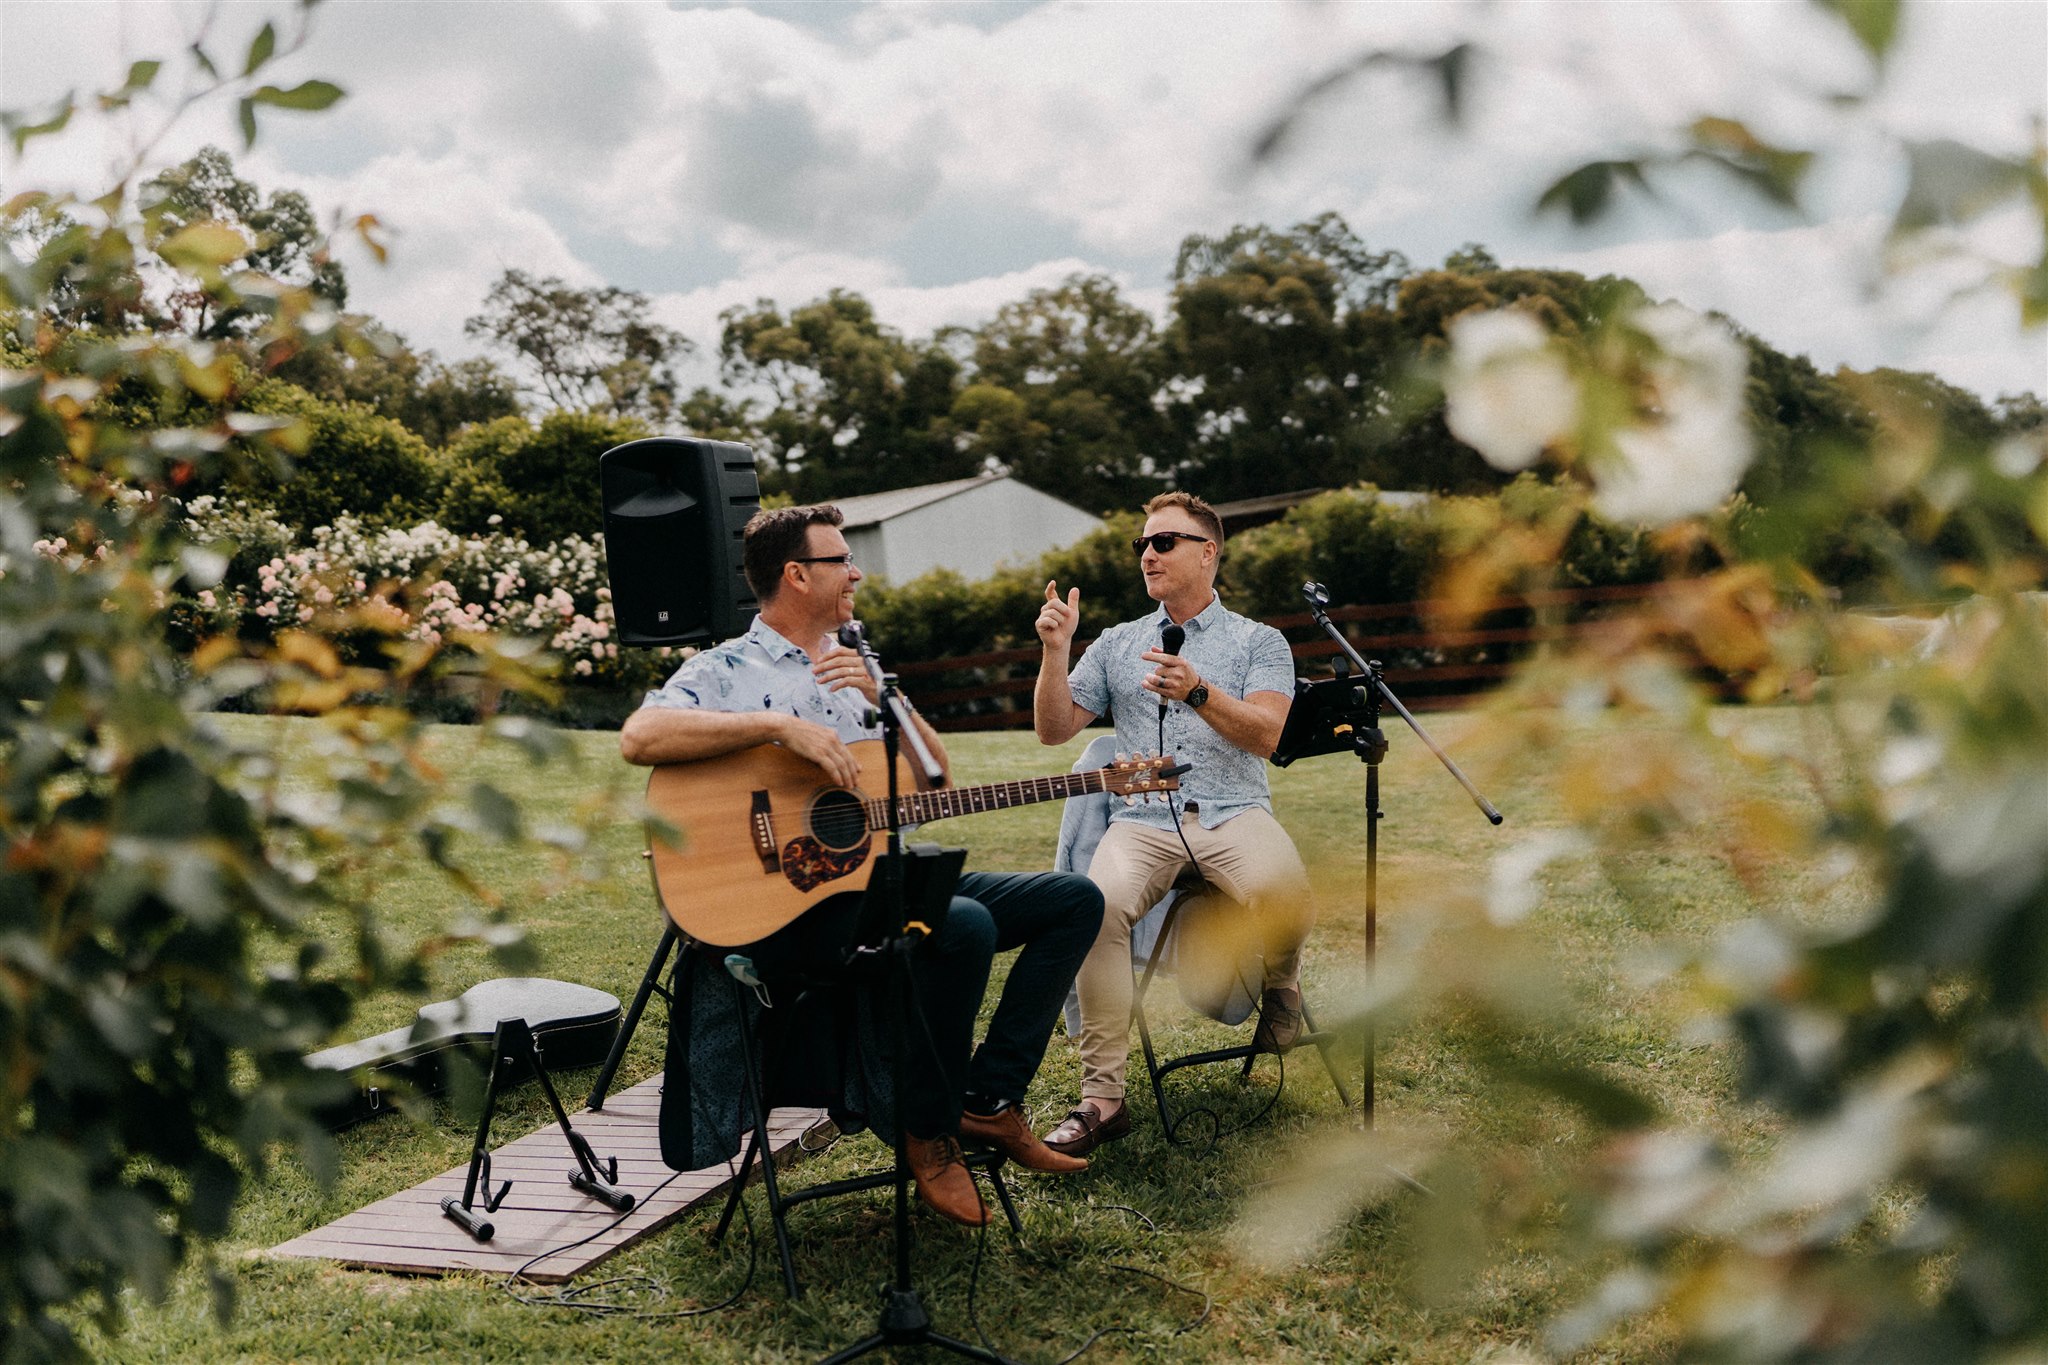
675	509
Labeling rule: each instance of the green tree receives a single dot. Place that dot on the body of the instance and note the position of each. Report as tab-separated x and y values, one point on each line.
285	243
587	349
539	481
432	399
349	460
1276	357
1061	394
853	407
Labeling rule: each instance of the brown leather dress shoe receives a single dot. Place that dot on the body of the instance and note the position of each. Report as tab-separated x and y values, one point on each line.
943	1181
1280	1020
1083	1130
1006	1131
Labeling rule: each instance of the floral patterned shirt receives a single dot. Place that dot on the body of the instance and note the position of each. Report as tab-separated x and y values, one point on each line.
761	671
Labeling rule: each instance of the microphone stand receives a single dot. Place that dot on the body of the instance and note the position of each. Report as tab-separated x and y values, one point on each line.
903	1320
1341	714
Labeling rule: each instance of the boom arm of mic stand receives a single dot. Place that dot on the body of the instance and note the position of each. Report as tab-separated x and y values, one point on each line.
1372	675
920	752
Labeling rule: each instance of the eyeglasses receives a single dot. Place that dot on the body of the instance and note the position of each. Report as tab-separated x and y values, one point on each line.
845	560
1163	541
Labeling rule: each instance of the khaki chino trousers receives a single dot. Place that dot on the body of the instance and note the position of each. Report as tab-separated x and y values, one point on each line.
1248	856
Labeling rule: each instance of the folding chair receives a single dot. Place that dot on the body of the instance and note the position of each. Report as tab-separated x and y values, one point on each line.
1156	941
759	1086
780	1006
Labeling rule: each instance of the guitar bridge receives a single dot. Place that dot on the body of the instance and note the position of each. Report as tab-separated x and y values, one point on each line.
764	835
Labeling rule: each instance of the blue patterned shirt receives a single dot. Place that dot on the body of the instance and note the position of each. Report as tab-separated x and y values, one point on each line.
1233	654
761	671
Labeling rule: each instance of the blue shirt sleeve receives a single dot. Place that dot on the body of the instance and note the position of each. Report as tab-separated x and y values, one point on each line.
1089	682
703	682
1272	663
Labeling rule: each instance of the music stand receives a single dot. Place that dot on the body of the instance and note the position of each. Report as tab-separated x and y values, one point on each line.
1341	714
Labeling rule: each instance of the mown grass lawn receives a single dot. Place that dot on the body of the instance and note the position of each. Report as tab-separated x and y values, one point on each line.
1172	1211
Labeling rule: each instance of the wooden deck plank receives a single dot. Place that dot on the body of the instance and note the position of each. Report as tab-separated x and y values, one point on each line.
542	1215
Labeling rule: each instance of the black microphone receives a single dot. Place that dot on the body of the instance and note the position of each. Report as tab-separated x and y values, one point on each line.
856	639
1170	640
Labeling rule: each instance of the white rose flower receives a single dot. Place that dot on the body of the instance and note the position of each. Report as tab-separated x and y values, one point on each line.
1688	454
1508	393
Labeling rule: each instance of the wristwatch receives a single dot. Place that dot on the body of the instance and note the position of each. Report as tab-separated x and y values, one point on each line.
1197	695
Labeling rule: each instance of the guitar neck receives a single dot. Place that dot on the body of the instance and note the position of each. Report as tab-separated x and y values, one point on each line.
919	807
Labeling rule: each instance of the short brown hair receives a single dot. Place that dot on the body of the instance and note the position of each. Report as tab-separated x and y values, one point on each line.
1194	507
776	535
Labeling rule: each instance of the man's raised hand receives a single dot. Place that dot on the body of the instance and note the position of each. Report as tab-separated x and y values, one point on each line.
1057	620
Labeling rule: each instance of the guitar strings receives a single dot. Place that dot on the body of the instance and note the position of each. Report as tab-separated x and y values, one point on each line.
925	806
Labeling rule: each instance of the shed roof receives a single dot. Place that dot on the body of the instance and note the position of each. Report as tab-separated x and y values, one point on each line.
871	509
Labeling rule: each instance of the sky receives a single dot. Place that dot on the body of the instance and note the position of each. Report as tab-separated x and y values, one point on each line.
945	158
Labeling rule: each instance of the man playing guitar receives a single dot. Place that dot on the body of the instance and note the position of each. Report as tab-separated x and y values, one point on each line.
788	682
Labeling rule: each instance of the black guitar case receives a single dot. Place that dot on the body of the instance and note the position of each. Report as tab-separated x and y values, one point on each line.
574	1026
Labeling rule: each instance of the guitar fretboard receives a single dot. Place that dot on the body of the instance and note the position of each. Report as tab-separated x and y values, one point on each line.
920	807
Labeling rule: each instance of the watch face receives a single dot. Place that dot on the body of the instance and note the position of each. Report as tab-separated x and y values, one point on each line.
1199	695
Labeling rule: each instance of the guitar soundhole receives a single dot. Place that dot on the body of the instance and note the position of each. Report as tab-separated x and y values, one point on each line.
838	820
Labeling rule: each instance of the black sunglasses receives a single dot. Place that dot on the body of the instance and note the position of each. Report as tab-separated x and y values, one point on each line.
1163	541
845	560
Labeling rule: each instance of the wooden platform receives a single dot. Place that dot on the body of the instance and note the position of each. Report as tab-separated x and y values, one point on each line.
542	1215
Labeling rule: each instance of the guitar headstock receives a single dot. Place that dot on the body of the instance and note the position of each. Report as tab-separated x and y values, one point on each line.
1142	775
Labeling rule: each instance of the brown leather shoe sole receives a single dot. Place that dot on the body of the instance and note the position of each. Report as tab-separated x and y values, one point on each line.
1094	1131
1009	1134
959	1213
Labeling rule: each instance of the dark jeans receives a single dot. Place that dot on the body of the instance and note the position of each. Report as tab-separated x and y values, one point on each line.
1051	918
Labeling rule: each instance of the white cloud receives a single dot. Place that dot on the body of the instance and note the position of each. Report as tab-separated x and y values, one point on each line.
931	155
1823	291
452	235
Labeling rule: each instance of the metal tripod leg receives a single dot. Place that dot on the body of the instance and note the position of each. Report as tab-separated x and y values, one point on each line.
650	984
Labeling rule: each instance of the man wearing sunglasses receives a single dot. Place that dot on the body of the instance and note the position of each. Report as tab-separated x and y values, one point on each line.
788	681
1217	703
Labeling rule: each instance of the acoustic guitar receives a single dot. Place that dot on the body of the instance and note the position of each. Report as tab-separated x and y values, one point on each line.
765	837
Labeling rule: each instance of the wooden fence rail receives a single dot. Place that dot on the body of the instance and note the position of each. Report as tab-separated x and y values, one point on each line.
1430	667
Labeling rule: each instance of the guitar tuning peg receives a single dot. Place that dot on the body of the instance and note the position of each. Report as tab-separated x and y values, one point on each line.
1130	800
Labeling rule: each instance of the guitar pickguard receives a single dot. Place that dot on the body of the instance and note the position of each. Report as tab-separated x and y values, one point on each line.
808	863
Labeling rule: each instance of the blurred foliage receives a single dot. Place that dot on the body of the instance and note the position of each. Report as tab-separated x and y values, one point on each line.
178	925
1892	1048
285	244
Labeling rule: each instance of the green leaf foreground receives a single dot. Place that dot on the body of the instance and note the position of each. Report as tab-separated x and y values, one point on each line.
178	928
1874	22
